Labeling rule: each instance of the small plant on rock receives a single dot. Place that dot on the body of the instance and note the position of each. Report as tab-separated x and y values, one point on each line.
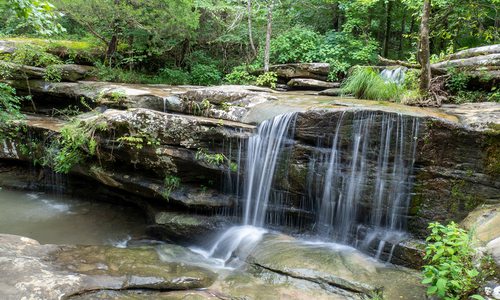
170	183
450	271
268	79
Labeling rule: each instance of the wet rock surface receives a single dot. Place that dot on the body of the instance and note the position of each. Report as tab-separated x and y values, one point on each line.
311	84
39	271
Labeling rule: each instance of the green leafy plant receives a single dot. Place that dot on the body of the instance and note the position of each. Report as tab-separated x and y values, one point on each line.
76	144
239	76
10	113
173	76
269	79
215	159
450	271
457	81
205	75
295	45
53	73
34	55
170	183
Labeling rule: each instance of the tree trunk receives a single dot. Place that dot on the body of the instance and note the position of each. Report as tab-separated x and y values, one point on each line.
387	30
335	18
401	36
424	51
250	35
112	46
267	52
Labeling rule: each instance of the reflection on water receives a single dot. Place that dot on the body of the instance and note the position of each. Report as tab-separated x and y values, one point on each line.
58	219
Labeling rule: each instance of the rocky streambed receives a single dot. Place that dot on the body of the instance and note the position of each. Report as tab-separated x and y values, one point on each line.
177	153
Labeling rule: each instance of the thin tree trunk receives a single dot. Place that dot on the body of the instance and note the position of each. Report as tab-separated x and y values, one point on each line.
250	35
424	51
401	36
387	30
336	16
267	52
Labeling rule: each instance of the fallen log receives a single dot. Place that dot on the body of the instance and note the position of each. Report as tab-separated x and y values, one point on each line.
479	51
471	62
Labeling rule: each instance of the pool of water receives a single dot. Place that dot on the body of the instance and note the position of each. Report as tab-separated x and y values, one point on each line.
56	219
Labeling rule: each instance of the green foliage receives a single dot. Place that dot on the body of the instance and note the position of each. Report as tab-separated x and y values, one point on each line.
9	111
138	140
33	55
450	271
76	144
269	79
295	45
170	183
366	83
53	73
205	75
457	81
173	76
32	14
214	159
240	76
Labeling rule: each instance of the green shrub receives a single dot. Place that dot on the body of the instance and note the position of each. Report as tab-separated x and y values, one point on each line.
205	75
457	81
268	79
366	83
34	55
450	271
53	73
10	106
239	76
295	45
173	76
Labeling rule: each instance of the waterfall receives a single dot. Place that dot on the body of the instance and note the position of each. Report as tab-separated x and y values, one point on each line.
396	75
357	189
263	151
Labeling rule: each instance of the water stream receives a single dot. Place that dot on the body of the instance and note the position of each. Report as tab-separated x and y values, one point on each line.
57	219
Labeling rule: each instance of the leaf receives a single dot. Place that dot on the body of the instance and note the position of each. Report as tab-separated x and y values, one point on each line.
441	286
477	297
432	290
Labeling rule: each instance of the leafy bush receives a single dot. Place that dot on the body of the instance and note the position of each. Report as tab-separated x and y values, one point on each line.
34	55
9	110
268	79
365	83
205	75
296	45
173	76
450	271
457	81
239	76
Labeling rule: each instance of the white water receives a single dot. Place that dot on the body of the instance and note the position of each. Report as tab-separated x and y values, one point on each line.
359	189
263	150
396	75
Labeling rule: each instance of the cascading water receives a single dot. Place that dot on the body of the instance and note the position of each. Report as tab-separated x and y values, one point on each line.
396	75
357	191
263	151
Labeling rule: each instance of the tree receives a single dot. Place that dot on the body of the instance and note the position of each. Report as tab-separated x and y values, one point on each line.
144	27
250	35
267	51
424	49
38	15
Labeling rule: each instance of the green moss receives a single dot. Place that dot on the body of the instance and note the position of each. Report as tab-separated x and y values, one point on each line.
492	150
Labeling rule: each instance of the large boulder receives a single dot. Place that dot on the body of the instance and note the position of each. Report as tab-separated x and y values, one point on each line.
311	84
286	72
34	271
343	270
66	72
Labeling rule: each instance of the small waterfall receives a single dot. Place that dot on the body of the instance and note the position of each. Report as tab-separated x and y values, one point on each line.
356	190
263	151
396	75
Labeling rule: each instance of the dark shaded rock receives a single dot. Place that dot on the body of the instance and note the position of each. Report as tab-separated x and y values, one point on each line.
317	71
311	84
